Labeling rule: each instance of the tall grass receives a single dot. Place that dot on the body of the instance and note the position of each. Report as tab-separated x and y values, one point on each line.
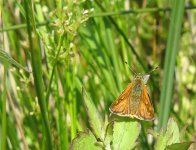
3	94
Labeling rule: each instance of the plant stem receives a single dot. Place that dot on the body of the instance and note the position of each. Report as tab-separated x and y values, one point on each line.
37	71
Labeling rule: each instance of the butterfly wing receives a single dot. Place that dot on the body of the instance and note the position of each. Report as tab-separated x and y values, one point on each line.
145	109
121	105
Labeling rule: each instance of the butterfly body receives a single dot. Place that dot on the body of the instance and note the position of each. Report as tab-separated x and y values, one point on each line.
134	101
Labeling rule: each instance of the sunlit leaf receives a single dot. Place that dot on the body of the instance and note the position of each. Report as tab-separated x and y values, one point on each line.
125	134
169	137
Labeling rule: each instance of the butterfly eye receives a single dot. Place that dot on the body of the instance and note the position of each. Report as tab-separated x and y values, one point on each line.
145	78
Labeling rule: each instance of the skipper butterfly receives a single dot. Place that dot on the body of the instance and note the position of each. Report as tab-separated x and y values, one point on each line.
134	101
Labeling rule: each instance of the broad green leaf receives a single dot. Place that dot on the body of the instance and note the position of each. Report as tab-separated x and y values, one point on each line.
86	141
169	137
4	57
181	146
125	134
95	120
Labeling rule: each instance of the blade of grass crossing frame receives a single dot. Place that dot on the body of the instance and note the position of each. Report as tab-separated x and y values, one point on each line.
170	58
4	126
5	57
37	71
3	111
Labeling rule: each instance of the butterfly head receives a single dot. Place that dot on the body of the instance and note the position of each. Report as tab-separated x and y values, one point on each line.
141	77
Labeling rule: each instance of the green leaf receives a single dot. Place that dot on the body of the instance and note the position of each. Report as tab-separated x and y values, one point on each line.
172	132
125	134
84	140
169	137
95	120
181	146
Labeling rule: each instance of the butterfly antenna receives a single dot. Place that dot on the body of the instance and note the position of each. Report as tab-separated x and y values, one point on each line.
157	67
130	68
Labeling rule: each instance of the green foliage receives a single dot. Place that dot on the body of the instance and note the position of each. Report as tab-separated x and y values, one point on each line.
95	119
56	47
118	135
122	134
169	137
181	146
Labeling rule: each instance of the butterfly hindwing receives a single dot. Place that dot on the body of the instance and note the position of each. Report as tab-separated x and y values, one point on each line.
145	109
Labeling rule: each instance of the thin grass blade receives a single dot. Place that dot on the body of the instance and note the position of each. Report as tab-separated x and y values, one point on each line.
170	58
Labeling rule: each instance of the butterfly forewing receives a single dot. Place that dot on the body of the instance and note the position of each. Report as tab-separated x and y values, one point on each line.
121	105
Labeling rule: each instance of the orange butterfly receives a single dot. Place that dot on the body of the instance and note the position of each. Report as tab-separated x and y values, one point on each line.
134	100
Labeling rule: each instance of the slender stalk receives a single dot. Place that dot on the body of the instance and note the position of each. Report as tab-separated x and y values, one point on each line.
138	11
22	26
170	58
54	66
37	71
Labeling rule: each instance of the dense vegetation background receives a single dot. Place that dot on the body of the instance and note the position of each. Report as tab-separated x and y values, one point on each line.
51	49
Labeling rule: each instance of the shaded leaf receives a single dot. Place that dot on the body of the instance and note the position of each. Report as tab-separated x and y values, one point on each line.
181	146
108	136
95	120
84	140
125	134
